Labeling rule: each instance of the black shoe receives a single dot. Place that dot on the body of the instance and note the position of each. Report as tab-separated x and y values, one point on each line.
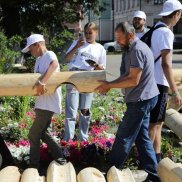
61	161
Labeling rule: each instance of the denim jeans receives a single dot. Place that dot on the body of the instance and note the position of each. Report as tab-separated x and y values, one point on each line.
134	128
75	101
40	130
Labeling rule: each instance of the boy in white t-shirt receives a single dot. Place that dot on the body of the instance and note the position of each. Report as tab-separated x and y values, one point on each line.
85	54
162	44
45	105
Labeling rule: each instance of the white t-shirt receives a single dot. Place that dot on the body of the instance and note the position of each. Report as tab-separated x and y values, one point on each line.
95	52
51	102
140	34
162	38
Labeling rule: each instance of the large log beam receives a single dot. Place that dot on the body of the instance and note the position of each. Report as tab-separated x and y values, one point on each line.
169	171
21	84
174	121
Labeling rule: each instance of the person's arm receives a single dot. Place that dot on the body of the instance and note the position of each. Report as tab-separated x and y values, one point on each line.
131	80
167	68
71	53
40	86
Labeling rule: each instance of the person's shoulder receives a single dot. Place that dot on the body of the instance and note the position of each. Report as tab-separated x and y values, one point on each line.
99	45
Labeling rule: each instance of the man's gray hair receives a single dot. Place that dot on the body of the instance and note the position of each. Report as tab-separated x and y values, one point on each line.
125	27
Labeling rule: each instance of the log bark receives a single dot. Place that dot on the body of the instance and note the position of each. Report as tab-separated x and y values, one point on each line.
10	174
169	171
90	174
174	121
31	175
115	175
61	173
21	84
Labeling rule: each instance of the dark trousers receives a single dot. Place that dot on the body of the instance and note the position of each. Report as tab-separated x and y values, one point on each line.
6	155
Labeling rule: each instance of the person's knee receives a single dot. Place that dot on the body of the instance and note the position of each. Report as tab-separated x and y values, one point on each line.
85	112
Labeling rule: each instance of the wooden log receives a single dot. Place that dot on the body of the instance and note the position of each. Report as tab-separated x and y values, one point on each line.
21	84
61	173
10	174
177	73
90	174
32	175
115	175
169	171
174	121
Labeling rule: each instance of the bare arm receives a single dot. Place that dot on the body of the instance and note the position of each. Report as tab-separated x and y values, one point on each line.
40	86
167	68
71	53
131	80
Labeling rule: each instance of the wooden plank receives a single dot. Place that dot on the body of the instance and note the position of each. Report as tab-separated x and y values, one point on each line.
61	173
90	174
115	175
21	84
32	175
169	171
174	121
10	174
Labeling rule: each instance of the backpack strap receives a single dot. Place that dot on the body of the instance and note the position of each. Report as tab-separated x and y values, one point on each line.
155	28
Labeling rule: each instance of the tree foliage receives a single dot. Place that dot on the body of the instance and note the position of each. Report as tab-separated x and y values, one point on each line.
24	16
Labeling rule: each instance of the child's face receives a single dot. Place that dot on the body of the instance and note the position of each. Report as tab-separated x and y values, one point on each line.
34	50
90	35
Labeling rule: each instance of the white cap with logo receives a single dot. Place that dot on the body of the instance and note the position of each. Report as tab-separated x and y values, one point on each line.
32	39
170	6
139	14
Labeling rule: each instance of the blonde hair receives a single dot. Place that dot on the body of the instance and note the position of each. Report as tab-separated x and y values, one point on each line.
91	25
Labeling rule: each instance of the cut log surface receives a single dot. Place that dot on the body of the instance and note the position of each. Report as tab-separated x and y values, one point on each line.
22	84
169	171
10	174
174	121
31	175
61	173
115	175
90	174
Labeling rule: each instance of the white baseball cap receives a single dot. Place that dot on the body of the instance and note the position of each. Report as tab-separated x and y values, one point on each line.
139	14
170	6
32	39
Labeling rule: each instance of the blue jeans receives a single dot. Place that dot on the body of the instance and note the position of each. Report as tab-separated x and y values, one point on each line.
134	128
75	101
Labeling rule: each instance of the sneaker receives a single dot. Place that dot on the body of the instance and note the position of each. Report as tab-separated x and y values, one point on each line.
61	161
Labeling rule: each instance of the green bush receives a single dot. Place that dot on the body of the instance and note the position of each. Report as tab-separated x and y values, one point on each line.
7	53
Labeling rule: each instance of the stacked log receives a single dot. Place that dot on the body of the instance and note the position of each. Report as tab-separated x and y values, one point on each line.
31	175
174	121
115	175
10	174
169	171
61	173
90	174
